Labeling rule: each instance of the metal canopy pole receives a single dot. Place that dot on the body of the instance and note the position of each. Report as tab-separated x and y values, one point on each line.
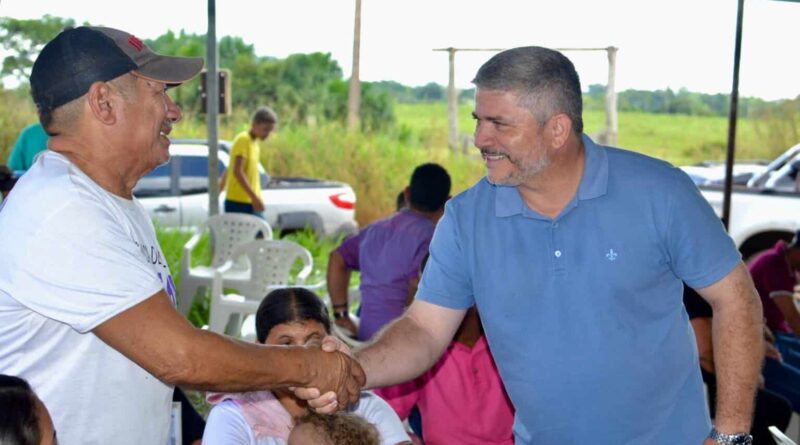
737	54
212	107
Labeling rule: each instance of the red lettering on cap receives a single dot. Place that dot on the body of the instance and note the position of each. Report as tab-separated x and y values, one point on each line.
135	43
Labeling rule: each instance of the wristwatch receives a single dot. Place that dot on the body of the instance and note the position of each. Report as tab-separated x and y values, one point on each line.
731	439
339	314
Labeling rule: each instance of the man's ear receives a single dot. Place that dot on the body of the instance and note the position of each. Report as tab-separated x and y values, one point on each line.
103	102
558	129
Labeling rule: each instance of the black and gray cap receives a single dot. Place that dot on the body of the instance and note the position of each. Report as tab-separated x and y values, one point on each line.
78	57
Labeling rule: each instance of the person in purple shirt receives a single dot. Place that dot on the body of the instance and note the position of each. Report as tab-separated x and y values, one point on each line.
774	274
388	253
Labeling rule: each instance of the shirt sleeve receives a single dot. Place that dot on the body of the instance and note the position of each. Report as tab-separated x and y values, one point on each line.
82	269
377	412
226	426
239	148
445	281
350	251
700	251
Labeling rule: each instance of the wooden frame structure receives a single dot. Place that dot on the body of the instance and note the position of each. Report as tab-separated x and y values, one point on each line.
612	123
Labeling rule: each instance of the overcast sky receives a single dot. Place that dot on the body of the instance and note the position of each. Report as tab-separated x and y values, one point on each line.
676	43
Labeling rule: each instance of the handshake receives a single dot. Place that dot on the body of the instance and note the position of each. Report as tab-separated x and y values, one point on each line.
336	378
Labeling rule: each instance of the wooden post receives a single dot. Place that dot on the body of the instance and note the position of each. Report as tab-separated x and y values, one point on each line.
354	93
612	127
452	102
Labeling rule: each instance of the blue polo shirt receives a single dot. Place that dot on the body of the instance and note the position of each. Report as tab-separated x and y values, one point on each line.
584	312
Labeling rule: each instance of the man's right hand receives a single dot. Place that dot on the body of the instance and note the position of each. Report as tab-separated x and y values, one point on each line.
334	373
345	322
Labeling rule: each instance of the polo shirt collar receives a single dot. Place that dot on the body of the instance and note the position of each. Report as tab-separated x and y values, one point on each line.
594	183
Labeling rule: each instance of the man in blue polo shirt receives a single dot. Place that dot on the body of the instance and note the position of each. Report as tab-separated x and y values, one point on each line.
574	254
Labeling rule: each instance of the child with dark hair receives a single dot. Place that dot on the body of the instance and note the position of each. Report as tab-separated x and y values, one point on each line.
24	420
337	429
291	316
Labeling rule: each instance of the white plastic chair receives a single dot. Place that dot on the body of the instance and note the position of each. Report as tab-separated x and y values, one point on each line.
227	230
780	438
271	263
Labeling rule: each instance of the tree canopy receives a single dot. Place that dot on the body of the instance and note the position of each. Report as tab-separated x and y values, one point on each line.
23	39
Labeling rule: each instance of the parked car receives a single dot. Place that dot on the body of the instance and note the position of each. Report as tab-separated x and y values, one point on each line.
176	194
765	207
713	172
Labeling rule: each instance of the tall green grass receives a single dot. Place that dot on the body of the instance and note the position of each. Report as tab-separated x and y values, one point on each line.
16	112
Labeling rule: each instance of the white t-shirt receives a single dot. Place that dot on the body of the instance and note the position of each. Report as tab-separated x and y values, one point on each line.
73	256
226	425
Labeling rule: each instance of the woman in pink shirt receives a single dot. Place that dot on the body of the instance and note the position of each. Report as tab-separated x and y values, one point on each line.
461	399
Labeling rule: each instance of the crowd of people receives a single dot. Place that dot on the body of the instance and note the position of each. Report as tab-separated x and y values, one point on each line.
543	305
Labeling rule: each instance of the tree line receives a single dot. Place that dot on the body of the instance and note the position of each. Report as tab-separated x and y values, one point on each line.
309	88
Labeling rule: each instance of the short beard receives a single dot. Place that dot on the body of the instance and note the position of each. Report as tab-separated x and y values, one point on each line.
526	170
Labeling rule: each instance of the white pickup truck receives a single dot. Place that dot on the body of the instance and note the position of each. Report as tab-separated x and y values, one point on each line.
176	194
765	199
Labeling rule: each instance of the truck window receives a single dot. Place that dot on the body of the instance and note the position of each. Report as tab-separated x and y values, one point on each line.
194	174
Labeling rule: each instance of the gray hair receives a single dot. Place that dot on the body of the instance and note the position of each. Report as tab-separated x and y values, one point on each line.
265	114
545	80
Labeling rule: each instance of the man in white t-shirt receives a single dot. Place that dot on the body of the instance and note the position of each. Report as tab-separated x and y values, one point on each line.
86	298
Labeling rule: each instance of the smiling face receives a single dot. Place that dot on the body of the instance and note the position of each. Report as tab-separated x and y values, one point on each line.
149	115
510	139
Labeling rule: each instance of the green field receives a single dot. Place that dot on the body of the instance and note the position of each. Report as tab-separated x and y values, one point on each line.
679	139
378	165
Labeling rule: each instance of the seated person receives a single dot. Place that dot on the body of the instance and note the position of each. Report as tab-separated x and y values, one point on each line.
336	429
388	253
774	273
24	419
289	317
461	399
770	408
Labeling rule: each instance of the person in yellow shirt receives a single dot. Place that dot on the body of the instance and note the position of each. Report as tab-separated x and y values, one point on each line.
243	181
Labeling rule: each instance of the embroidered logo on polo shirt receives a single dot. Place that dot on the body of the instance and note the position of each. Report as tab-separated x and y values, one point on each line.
611	255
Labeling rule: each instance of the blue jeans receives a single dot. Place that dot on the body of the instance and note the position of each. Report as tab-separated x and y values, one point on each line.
240	207
784	377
